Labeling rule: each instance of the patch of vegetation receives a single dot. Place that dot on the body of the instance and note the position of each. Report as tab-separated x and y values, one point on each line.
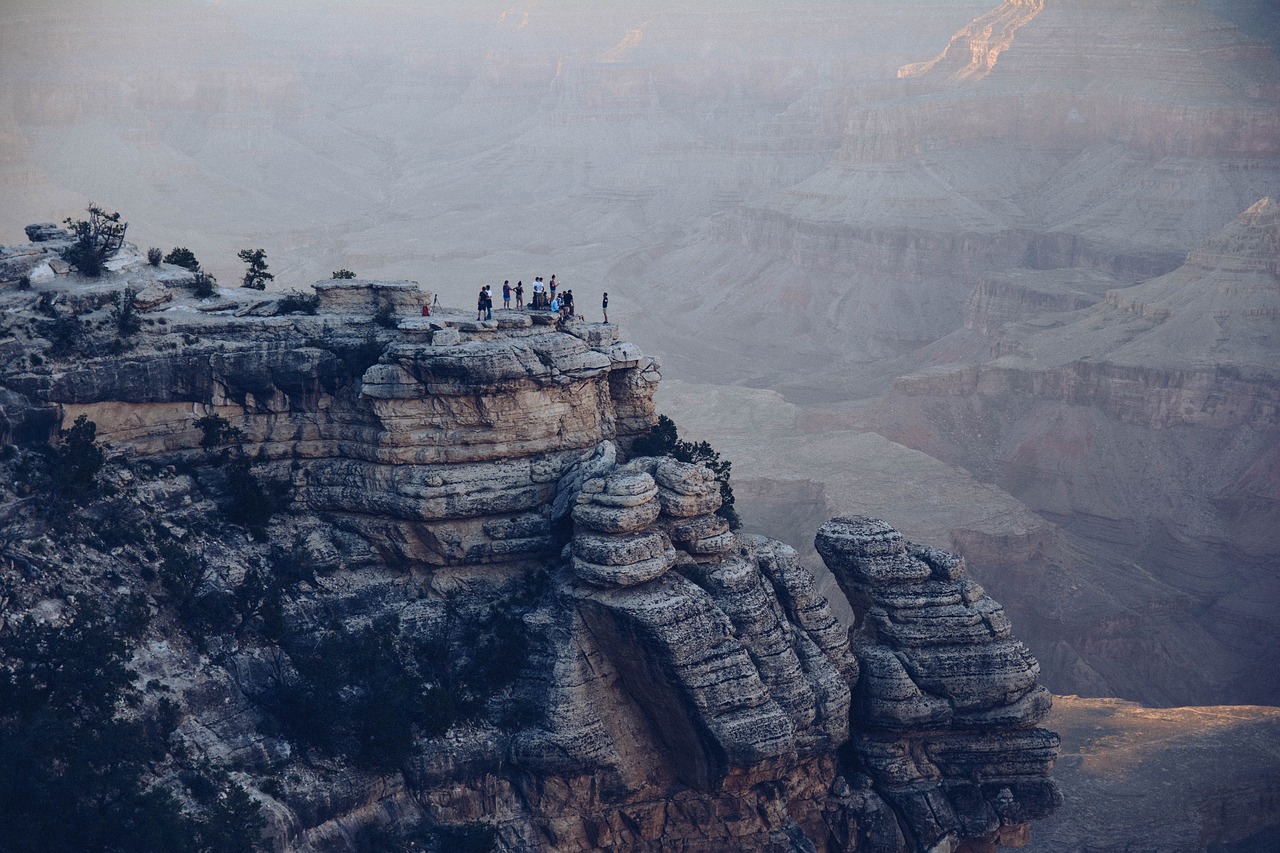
124	313
73	771
249	501
664	440
181	256
215	431
256	276
343	273
203	606
24	282
155	255
96	239
65	473
356	694
297	303
204	285
386	317
65	333
369	693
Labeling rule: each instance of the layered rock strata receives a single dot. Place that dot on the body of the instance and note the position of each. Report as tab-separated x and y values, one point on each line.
685	686
945	714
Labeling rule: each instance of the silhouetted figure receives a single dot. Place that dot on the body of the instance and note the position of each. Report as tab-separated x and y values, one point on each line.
604	305
519	294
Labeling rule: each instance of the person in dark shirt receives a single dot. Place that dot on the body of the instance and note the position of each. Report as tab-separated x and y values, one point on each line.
506	294
520	294
604	305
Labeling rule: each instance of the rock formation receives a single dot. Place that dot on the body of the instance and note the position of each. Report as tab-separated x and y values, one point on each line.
1141	419
464	486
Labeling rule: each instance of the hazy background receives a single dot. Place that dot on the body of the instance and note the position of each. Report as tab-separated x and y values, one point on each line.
795	206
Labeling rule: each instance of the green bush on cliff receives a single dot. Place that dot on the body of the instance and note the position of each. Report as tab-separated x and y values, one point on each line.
250	501
664	440
74	769
124	313
216	431
183	257
65	472
356	693
96	239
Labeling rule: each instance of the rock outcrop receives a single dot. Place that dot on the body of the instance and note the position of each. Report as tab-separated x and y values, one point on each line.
464	487
945	711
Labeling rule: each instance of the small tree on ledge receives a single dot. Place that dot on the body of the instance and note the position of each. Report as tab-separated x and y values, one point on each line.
664	440
97	238
256	277
343	273
183	257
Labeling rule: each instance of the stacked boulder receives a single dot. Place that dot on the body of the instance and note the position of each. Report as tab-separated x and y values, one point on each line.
945	711
615	545
690	495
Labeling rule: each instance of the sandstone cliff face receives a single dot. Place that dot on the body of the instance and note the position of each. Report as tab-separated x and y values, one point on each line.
683	686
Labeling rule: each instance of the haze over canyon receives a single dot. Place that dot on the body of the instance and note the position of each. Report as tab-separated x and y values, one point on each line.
1006	275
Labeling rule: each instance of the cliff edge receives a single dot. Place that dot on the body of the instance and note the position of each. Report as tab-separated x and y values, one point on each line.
402	581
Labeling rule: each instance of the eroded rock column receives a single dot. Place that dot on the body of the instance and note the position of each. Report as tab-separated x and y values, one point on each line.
945	714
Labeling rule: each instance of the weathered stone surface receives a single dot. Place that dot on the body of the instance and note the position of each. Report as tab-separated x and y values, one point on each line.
619	550
366	297
946	695
683	684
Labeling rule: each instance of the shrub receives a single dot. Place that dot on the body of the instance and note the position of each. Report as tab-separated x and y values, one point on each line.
96	239
24	282
204	285
297	303
249	502
343	273
76	462
155	255
125	314
256	276
72	772
65	334
386	317
183	257
664	440
216	431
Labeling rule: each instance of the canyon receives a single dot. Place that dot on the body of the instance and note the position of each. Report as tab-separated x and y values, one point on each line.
1000	273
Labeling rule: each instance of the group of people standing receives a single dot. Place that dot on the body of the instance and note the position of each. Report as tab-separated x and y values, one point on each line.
544	298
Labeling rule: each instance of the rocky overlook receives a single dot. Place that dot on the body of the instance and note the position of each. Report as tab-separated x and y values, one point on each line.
585	655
